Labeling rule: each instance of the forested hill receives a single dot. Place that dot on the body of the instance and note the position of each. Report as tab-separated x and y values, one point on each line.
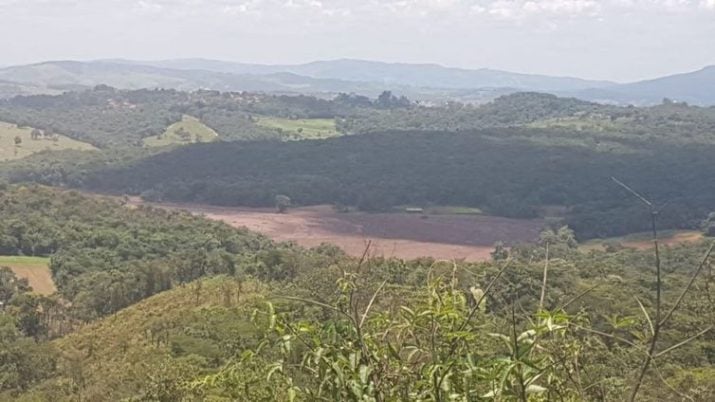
516	156
508	172
105	256
111	118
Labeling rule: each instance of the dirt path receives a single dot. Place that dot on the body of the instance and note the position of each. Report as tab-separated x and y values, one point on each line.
468	237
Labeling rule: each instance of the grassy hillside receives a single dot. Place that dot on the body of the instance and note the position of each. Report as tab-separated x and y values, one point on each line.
157	344
11	149
187	131
301	128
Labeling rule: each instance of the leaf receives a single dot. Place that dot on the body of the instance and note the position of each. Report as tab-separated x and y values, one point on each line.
276	367
364	373
526	335
535	389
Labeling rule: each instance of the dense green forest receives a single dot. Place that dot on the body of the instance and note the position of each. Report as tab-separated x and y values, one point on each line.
109	118
507	172
100	250
181	308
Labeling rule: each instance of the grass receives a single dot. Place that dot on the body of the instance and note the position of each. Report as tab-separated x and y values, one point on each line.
187	131
644	240
590	123
301	129
35	269
28	146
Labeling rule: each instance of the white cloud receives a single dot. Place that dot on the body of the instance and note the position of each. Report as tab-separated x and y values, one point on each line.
612	39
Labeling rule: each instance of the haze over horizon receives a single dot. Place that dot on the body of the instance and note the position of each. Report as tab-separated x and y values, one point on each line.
618	40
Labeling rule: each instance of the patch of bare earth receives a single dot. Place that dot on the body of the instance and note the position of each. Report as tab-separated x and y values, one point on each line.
676	239
399	235
38	276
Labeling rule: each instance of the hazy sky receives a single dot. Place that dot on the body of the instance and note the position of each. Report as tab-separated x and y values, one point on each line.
609	39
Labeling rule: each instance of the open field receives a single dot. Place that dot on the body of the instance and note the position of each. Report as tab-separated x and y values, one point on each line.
642	241
187	131
302	129
35	269
468	237
29	146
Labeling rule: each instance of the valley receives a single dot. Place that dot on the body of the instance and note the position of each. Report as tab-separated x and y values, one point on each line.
153	265
390	235
357	201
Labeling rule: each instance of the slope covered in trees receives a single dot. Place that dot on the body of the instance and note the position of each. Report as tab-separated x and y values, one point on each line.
508	172
516	156
110	118
105	256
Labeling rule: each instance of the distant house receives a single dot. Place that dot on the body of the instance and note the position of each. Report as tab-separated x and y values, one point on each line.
414	210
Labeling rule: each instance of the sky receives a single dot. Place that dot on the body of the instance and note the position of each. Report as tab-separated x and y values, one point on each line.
619	40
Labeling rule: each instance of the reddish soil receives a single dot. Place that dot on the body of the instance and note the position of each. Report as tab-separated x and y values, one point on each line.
391	234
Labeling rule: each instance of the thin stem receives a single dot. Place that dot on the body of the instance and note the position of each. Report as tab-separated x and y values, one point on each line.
546	274
654	215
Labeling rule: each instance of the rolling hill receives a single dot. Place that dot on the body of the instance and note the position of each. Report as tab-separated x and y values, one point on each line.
427	82
418	81
396	74
57	76
697	87
28	145
188	130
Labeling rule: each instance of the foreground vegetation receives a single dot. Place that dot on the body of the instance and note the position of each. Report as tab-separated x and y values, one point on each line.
180	308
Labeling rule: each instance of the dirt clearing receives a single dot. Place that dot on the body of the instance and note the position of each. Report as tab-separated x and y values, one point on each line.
35	269
643	241
399	235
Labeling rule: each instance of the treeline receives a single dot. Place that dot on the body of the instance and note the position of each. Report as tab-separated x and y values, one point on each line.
507	111
672	122
103	117
106	256
110	118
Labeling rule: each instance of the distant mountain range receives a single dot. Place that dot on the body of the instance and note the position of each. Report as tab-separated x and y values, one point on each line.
426	82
